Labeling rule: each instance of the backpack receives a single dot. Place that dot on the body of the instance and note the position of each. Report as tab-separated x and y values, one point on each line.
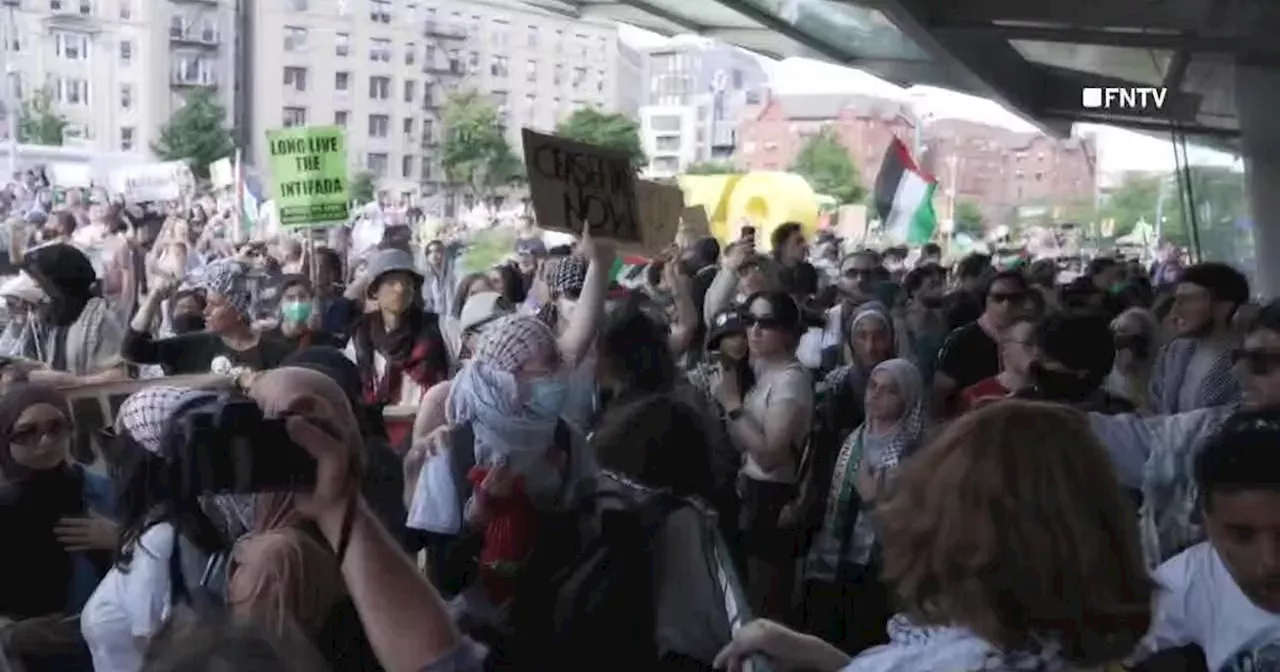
582	583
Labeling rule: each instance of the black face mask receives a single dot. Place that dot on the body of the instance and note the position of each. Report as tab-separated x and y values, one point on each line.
189	323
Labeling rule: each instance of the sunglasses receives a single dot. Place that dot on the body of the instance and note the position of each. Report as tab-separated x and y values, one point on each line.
1012	297
1257	362
30	434
762	321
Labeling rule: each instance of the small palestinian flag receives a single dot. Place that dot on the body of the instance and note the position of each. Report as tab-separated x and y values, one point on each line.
904	197
628	272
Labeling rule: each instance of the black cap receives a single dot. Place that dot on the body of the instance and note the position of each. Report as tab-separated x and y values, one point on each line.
727	323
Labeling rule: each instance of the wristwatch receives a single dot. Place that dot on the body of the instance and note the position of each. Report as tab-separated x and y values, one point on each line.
734	414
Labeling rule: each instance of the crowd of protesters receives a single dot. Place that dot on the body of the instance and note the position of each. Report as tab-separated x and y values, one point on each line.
909	467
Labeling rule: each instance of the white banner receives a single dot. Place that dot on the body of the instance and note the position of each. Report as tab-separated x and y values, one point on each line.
222	173
71	174
151	181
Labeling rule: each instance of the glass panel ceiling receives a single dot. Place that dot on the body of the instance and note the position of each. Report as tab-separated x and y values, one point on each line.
703	13
1142	66
861	31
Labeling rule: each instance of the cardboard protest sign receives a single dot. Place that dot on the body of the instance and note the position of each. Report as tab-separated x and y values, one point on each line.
309	172
660	209
151	181
94	407
71	174
573	184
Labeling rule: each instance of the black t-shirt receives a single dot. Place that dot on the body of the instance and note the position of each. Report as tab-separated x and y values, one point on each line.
306	340
202	352
968	356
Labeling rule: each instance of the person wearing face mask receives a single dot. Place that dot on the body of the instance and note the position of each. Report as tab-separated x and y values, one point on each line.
186	310
299	321
1136	336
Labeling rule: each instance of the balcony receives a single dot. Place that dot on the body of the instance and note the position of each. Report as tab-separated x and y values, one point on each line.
448	31
205	37
193	77
453	68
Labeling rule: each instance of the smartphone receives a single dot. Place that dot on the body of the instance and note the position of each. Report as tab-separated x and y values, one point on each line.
230	448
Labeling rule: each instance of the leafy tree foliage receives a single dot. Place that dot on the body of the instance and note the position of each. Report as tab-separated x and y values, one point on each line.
474	151
825	162
38	123
968	219
362	187
196	133
603	129
712	168
1220	204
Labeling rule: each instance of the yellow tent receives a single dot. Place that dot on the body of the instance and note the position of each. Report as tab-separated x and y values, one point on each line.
765	200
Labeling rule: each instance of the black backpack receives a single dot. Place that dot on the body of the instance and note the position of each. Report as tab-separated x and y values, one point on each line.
586	597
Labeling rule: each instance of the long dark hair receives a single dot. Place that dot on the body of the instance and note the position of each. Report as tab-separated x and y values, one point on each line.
144	498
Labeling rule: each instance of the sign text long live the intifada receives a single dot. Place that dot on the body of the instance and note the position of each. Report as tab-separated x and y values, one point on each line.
309	169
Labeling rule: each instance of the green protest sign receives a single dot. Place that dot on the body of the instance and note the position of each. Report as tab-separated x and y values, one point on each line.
309	169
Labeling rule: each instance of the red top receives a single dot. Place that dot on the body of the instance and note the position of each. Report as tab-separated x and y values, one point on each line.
982	393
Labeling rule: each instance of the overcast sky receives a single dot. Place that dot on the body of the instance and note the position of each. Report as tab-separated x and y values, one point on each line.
1118	149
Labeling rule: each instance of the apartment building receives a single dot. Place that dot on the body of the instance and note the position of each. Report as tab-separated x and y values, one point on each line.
383	70
773	130
700	80
117	69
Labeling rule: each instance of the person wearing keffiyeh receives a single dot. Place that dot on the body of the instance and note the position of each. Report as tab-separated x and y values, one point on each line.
228	345
840	570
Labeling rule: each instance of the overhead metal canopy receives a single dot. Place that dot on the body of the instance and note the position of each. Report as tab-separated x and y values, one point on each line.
1034	56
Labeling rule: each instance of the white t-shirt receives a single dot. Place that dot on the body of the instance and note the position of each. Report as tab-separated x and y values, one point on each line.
1200	603
775	386
129	608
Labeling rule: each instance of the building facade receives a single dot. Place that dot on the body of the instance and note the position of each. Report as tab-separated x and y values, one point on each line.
774	130
117	69
709	82
1006	173
383	70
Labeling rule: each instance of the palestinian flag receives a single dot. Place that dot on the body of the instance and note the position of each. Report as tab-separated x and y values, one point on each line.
626	275
904	197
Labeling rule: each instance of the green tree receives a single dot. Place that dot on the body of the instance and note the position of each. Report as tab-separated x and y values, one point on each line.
968	219
603	129
474	151
362	188
38	123
825	162
1133	200
196	133
712	168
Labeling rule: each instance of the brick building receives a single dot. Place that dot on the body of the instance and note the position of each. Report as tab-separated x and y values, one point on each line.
1006	172
773	129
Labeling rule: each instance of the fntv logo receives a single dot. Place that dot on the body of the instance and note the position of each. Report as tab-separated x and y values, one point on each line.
1124	98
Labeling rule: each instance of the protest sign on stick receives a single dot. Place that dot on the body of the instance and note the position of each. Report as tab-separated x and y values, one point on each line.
694	222
660	209
572	184
309	172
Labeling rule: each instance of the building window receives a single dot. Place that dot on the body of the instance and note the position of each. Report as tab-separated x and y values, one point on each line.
342	81
532	40
499	36
126	52
295	116
407	126
406	166
530	108
531	71
295	39
579	77
410	90
296	78
380	50
126	138
473	62
298	5
71	46
72	91
344	8
342	44
340	118
499	66
600	81
410	53
376	163
557	74
126	96
86	8
126	10
426	168
379	88
379	125
380	11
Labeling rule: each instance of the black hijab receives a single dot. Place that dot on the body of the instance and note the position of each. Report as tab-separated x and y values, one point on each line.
35	570
67	277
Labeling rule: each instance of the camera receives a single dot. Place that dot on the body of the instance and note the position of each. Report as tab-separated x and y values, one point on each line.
226	445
